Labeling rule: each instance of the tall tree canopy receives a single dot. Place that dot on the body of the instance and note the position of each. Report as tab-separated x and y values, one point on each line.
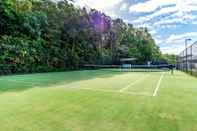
46	35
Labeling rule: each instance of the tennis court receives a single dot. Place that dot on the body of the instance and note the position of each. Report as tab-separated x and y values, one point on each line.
99	100
130	83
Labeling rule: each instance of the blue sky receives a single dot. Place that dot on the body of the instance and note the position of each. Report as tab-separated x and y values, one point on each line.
169	21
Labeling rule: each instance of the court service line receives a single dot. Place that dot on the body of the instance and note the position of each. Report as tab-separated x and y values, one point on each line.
158	84
111	91
133	83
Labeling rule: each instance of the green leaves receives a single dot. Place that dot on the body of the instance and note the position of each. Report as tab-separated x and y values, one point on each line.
43	35
32	23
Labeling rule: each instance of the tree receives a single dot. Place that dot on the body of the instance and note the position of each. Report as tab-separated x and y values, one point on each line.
47	35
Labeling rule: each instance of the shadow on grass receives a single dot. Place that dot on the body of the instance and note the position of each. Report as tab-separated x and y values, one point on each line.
23	82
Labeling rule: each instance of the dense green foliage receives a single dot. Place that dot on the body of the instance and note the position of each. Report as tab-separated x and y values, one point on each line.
169	58
43	35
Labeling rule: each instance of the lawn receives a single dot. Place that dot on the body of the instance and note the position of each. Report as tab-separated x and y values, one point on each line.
98	100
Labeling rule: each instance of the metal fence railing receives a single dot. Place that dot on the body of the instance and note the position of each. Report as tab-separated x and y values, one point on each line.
187	59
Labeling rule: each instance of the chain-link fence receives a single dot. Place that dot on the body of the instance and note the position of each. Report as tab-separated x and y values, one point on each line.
187	59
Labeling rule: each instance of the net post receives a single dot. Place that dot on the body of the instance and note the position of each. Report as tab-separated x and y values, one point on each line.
186	60
191	60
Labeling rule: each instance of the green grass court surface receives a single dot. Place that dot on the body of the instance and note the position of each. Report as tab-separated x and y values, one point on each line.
98	100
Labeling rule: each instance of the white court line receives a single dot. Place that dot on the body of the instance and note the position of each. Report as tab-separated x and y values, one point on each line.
133	83
111	91
158	84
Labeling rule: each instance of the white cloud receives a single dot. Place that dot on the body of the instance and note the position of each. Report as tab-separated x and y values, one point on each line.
106	6
127	21
178	39
153	32
124	7
158	41
162	12
172	49
101	5
165	17
169	22
188	5
151	5
175	43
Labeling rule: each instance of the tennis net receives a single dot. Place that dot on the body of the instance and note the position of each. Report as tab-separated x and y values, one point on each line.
132	68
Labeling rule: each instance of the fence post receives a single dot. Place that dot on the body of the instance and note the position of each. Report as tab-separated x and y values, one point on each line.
191	60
